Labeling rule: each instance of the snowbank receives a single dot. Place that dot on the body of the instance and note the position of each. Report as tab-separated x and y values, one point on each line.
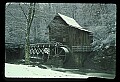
25	71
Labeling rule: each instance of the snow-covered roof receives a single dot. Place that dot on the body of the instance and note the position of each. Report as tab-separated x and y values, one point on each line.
71	22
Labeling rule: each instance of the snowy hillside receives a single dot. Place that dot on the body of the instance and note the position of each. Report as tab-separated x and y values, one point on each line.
25	71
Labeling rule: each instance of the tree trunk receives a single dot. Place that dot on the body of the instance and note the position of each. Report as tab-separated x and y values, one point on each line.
27	49
27	39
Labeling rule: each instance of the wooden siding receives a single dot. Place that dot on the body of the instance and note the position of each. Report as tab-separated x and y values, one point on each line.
78	37
58	31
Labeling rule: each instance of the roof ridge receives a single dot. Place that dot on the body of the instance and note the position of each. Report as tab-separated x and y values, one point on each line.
71	22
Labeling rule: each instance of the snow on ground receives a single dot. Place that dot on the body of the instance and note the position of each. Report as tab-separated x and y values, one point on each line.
25	71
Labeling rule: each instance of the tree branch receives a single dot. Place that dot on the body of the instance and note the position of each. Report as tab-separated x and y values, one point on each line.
23	30
13	15
23	12
33	12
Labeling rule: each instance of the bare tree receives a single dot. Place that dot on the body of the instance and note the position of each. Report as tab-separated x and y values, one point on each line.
29	17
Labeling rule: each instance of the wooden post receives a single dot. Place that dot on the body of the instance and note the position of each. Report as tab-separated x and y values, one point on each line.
79	60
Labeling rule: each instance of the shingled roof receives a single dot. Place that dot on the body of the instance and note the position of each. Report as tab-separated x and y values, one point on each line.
71	22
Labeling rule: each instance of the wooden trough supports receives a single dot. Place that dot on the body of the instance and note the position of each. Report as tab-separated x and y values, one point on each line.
43	52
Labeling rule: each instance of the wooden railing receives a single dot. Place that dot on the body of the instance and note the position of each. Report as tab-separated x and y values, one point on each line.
81	48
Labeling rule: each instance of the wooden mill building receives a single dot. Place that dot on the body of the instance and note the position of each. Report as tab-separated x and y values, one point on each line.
67	31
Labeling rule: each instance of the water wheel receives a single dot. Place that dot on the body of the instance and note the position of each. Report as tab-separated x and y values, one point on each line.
60	53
